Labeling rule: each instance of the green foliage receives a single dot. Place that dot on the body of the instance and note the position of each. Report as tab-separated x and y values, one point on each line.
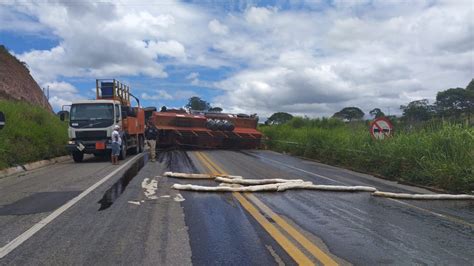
439	154
278	118
417	111
30	134
215	109
350	113
470	86
377	113
454	102
196	103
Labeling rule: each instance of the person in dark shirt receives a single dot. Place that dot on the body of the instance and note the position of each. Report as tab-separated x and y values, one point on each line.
151	135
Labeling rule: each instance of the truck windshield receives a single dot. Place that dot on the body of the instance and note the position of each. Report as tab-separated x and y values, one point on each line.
92	115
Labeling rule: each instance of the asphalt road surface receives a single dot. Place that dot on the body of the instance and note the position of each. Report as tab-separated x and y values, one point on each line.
97	213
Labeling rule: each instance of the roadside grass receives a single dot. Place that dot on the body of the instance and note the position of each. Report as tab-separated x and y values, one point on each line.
30	134
440	156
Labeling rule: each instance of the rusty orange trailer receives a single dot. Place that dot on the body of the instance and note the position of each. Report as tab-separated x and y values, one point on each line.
206	129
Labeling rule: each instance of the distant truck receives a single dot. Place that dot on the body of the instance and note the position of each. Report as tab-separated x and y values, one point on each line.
91	122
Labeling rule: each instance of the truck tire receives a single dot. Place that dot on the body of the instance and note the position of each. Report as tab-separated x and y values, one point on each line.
77	156
123	150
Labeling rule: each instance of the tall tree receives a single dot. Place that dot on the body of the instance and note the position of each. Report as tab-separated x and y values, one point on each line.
470	86
350	113
196	103
419	110
452	102
376	113
278	118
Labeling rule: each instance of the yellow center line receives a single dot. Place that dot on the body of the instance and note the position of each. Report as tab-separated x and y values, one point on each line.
283	241
300	238
206	164
306	243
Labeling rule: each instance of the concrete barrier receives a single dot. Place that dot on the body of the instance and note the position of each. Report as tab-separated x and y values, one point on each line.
32	166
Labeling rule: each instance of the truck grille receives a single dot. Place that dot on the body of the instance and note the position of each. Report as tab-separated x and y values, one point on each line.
91	135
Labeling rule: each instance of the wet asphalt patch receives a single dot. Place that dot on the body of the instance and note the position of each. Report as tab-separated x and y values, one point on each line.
117	189
38	203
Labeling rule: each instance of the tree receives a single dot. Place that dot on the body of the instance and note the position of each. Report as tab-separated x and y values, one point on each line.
215	109
452	102
419	110
278	118
349	113
196	103
470	86
376	113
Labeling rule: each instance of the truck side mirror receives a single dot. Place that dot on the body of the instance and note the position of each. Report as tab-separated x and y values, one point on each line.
2	120
63	115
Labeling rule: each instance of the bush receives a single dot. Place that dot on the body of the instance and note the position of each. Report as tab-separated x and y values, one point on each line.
31	134
440	155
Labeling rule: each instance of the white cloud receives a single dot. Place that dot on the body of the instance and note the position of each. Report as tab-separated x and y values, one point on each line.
192	75
170	48
184	94
61	93
158	95
258	15
307	61
217	28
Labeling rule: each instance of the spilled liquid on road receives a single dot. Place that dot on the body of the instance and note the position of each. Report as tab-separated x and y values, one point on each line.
119	187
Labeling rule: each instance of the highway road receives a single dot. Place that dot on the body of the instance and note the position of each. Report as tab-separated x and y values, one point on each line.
97	213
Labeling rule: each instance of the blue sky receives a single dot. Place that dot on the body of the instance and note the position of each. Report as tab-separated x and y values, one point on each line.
304	57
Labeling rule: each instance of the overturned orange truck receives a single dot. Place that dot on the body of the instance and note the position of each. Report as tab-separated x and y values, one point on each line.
198	129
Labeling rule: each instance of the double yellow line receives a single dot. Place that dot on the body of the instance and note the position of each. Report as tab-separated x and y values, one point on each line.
299	256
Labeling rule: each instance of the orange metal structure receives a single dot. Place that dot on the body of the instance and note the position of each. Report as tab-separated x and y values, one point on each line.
206	130
133	118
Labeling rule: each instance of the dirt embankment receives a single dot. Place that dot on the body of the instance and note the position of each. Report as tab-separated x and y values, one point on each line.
16	83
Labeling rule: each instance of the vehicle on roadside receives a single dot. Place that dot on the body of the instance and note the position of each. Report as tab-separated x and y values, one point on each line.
91	122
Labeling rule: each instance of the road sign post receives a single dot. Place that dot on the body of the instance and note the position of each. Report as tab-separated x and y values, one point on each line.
381	128
2	120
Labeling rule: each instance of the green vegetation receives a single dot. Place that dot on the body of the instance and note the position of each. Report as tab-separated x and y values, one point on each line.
31	133
278	118
436	154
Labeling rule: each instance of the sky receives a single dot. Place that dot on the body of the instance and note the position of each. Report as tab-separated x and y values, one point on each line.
308	58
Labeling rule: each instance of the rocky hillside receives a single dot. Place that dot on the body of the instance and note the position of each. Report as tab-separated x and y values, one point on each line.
16	83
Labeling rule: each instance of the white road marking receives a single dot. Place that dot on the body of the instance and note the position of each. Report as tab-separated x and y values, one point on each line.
301	170
134	202
447	217
165	196
150	186
39	225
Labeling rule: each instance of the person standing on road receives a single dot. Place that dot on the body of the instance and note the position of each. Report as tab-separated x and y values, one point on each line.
116	143
151	135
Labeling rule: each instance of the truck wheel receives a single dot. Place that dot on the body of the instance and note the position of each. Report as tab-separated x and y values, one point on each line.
77	156
123	151
141	144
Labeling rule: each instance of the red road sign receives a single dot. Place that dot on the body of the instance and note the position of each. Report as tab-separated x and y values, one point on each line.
381	128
